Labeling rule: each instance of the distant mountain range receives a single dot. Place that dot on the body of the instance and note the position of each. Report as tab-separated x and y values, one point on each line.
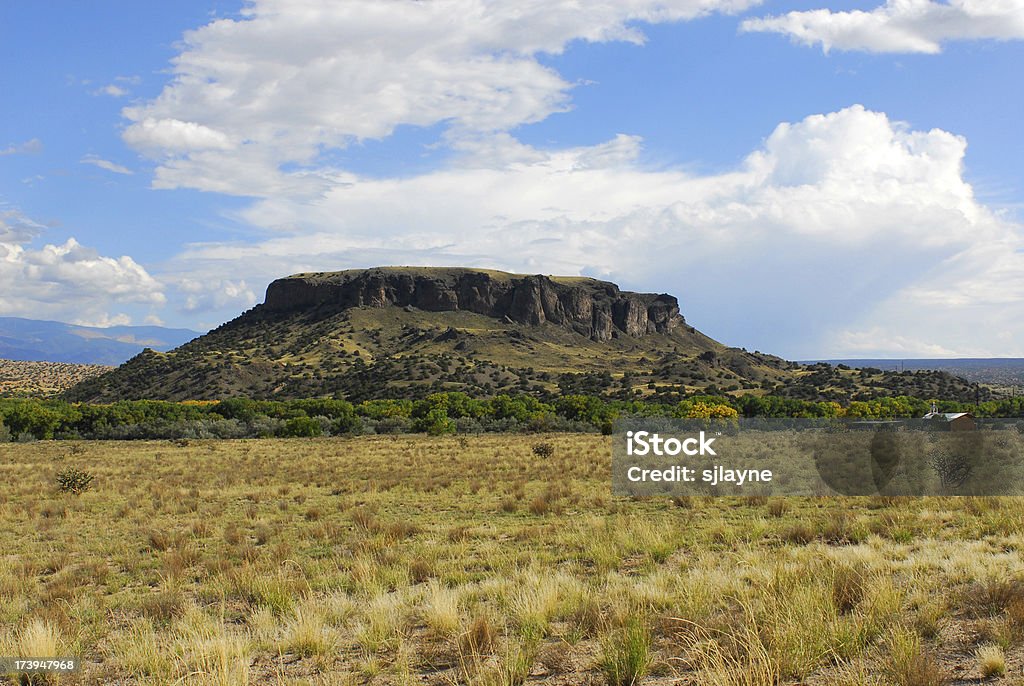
1004	371
44	341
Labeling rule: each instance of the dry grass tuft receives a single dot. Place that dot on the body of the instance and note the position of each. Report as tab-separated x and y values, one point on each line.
910	664
306	634
626	653
994	596
991	661
441	610
736	658
799	533
847	588
39	638
479	638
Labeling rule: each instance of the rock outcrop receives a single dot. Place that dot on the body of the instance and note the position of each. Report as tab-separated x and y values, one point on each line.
596	309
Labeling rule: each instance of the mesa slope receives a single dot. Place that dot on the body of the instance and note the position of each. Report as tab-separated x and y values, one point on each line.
399	332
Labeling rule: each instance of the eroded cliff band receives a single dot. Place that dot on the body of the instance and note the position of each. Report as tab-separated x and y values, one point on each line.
593	308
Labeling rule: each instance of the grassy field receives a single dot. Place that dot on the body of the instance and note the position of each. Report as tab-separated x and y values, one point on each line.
485	560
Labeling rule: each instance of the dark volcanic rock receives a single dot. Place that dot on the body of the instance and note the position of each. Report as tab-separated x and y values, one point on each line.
596	309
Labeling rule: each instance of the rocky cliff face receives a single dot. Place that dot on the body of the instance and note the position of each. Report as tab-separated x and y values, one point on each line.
596	309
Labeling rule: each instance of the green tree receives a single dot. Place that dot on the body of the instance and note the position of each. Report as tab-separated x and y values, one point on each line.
435	422
302	427
34	418
242	409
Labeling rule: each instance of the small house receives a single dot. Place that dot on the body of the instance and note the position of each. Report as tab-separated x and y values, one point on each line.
951	421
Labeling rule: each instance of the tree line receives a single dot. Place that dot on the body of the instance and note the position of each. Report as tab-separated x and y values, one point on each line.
437	413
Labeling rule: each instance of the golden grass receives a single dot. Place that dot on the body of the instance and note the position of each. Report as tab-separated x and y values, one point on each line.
991	661
409	559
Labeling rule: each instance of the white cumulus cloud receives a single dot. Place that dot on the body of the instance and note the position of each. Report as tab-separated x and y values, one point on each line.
66	281
293	78
909	26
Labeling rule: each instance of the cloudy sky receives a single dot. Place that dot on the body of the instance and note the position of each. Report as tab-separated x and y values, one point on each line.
810	178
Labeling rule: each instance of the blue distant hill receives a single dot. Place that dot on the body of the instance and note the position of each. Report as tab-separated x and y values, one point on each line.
43	341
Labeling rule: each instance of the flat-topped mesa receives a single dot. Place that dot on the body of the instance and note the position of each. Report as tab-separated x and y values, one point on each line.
596	309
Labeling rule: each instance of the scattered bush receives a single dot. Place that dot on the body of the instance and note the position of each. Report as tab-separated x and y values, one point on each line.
544	450
72	480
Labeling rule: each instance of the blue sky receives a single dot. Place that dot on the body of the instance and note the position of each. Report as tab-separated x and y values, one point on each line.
809	178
